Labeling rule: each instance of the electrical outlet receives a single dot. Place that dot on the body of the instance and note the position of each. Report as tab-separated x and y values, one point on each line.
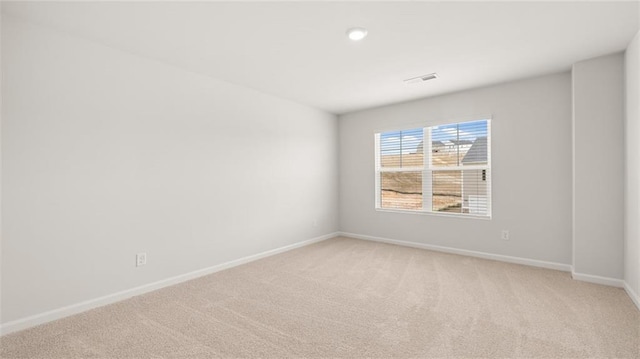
141	259
505	235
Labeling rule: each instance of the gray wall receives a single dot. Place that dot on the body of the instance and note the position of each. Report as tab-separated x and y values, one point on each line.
106	154
632	166
598	96
531	159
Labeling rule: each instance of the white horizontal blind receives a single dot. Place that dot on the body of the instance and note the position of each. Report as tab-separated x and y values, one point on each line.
443	168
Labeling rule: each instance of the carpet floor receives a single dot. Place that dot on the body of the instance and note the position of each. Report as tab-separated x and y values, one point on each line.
351	298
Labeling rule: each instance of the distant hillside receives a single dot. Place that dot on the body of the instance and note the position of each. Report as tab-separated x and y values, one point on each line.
404	189
441	158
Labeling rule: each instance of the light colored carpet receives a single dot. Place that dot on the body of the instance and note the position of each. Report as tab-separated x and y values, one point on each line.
351	298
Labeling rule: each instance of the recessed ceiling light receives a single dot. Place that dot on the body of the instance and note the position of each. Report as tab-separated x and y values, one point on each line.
422	78
357	33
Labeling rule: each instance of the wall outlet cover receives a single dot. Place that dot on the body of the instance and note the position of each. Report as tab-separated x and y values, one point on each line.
141	259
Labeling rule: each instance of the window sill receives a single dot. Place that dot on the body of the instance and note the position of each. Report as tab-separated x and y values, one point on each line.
437	214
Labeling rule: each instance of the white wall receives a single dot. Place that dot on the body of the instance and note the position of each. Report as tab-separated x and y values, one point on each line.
106	154
598	96
531	159
1	97
632	166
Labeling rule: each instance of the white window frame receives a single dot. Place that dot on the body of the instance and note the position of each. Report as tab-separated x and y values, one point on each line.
427	175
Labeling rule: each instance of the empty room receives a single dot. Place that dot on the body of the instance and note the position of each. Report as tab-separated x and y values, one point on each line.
327	179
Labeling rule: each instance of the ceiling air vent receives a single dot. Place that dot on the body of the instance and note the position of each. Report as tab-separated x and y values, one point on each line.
422	78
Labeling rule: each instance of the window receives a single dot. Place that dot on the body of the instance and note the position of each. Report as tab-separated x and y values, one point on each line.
438	169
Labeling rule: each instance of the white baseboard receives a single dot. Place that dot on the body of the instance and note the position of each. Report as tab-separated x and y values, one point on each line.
596	279
34	320
634	296
465	252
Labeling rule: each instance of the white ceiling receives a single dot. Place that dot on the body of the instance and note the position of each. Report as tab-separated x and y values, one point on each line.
299	51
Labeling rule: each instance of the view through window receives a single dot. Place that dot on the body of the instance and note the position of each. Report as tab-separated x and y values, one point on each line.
444	168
